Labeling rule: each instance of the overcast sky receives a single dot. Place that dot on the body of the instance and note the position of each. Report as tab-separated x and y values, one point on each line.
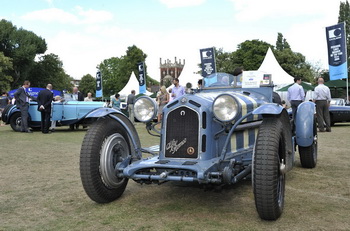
83	32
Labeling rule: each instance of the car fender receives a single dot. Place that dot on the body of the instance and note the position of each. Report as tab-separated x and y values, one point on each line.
9	113
304	123
269	108
100	112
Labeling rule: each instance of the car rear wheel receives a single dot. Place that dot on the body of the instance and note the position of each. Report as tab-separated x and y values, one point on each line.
268	162
15	121
104	146
308	155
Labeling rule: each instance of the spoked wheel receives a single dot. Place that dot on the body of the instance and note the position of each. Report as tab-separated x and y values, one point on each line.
268	169
104	146
15	121
308	155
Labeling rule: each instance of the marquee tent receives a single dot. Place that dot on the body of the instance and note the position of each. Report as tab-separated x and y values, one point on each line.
270	65
306	86
133	84
188	76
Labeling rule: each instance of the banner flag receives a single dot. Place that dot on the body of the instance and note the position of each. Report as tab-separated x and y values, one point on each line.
99	84
142	78
208	61
337	57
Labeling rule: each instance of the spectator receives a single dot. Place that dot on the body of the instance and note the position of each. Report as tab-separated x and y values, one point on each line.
200	83
77	95
177	90
170	91
44	99
88	97
57	99
4	101
322	98
22	101
116	102
130	104
295	95
162	100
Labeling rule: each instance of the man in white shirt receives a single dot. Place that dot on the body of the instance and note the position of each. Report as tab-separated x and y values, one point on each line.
322	98
296	95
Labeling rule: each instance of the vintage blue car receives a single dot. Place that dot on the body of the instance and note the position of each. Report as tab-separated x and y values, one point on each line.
339	111
66	113
218	135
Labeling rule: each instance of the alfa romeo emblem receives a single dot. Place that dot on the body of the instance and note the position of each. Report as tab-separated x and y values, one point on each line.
190	150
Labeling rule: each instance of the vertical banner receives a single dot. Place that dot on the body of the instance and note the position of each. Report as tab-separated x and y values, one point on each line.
142	77
337	57
99	84
208	61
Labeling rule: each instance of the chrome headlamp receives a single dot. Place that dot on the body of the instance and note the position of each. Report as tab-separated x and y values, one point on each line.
145	109
225	108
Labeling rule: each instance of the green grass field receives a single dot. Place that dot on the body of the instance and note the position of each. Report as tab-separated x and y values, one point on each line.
40	189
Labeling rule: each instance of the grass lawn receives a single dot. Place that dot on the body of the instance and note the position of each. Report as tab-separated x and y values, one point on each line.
40	189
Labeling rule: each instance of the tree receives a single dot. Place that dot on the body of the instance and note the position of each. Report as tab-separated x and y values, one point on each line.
87	84
113	78
21	46
49	69
281	43
249	54
116	71
5	65
293	63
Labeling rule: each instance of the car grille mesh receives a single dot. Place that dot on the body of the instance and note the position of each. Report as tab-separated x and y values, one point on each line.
182	128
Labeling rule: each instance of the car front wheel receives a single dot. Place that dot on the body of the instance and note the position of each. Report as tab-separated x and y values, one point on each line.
268	160
104	146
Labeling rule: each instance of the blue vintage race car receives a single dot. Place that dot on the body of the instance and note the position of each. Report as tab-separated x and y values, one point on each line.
67	113
218	135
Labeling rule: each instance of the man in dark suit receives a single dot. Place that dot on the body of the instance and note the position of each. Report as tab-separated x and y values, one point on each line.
44	99
77	95
22	102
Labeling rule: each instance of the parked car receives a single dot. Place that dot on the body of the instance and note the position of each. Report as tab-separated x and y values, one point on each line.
339	111
67	113
217	135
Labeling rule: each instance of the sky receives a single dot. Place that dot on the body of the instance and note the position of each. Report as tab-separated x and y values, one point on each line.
83	33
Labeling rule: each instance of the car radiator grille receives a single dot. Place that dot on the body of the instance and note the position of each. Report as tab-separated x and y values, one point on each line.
182	128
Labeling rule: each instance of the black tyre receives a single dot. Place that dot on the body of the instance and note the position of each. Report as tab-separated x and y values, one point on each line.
15	121
268	160
105	144
308	155
5	111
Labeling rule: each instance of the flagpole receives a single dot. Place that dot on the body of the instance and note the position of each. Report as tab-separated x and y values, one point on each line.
347	76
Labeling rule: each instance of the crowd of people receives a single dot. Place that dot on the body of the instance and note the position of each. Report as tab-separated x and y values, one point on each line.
295	96
322	99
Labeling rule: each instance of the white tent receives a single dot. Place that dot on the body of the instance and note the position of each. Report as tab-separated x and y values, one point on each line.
133	84
188	76
270	65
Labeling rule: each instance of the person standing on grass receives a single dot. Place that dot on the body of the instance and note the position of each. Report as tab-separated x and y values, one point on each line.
22	101
322	98
296	95
44	99
4	101
130	102
162	100
88	97
177	90
116	102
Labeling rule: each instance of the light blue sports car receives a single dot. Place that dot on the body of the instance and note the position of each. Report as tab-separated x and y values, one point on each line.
68	113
